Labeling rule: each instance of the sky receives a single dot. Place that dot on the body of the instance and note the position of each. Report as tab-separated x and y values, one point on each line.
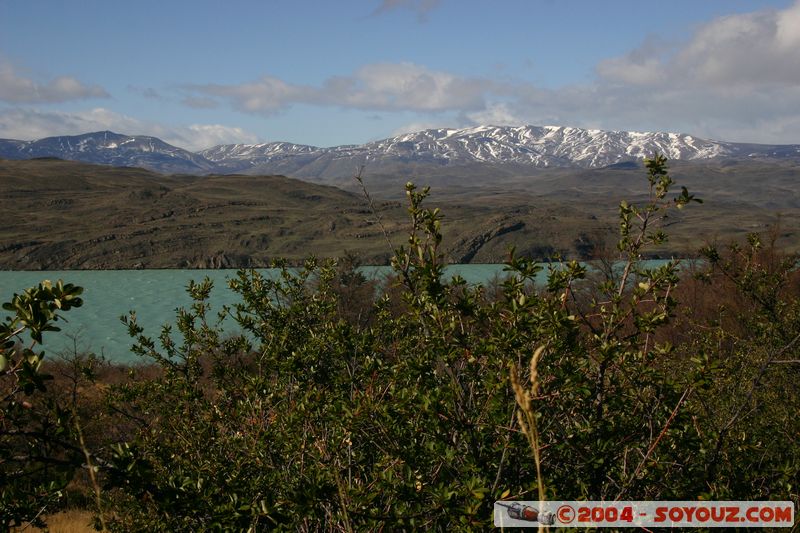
200	73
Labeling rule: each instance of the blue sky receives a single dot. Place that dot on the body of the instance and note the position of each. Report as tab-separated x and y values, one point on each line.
199	73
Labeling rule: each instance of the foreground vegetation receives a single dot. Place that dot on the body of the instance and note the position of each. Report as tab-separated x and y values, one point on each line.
349	407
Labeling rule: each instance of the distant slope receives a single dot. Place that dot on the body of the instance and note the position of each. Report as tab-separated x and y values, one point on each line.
232	158
71	215
108	148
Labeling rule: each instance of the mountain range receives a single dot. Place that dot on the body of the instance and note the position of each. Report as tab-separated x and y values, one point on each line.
520	149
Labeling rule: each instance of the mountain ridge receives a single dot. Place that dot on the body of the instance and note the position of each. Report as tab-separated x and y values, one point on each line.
532	147
109	148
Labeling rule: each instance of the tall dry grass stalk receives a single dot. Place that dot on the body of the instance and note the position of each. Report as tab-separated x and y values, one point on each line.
526	415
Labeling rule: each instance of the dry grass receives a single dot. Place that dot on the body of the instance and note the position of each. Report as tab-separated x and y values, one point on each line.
66	522
526	416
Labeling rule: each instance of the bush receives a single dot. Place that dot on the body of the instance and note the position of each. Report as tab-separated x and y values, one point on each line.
340	406
39	451
316	418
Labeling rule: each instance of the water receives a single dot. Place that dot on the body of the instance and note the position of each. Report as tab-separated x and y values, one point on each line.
155	295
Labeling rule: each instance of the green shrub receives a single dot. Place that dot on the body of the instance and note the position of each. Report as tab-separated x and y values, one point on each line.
339	406
38	449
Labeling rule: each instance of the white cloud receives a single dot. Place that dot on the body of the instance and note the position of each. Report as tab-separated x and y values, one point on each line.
375	87
266	95
498	113
406	86
737	78
755	49
632	70
199	136
18	89
28	124
413	127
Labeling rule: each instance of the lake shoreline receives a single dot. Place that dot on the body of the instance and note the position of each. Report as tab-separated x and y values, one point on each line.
154	295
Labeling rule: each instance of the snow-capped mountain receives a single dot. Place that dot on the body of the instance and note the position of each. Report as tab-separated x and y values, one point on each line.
525	146
546	146
250	152
520	147
108	148
237	157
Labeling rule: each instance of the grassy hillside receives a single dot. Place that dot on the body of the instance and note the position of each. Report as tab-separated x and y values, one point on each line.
69	215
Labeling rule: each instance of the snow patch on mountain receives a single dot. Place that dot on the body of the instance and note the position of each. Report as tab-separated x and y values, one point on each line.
537	146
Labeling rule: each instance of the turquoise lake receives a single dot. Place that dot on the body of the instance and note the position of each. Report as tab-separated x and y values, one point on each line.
155	295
